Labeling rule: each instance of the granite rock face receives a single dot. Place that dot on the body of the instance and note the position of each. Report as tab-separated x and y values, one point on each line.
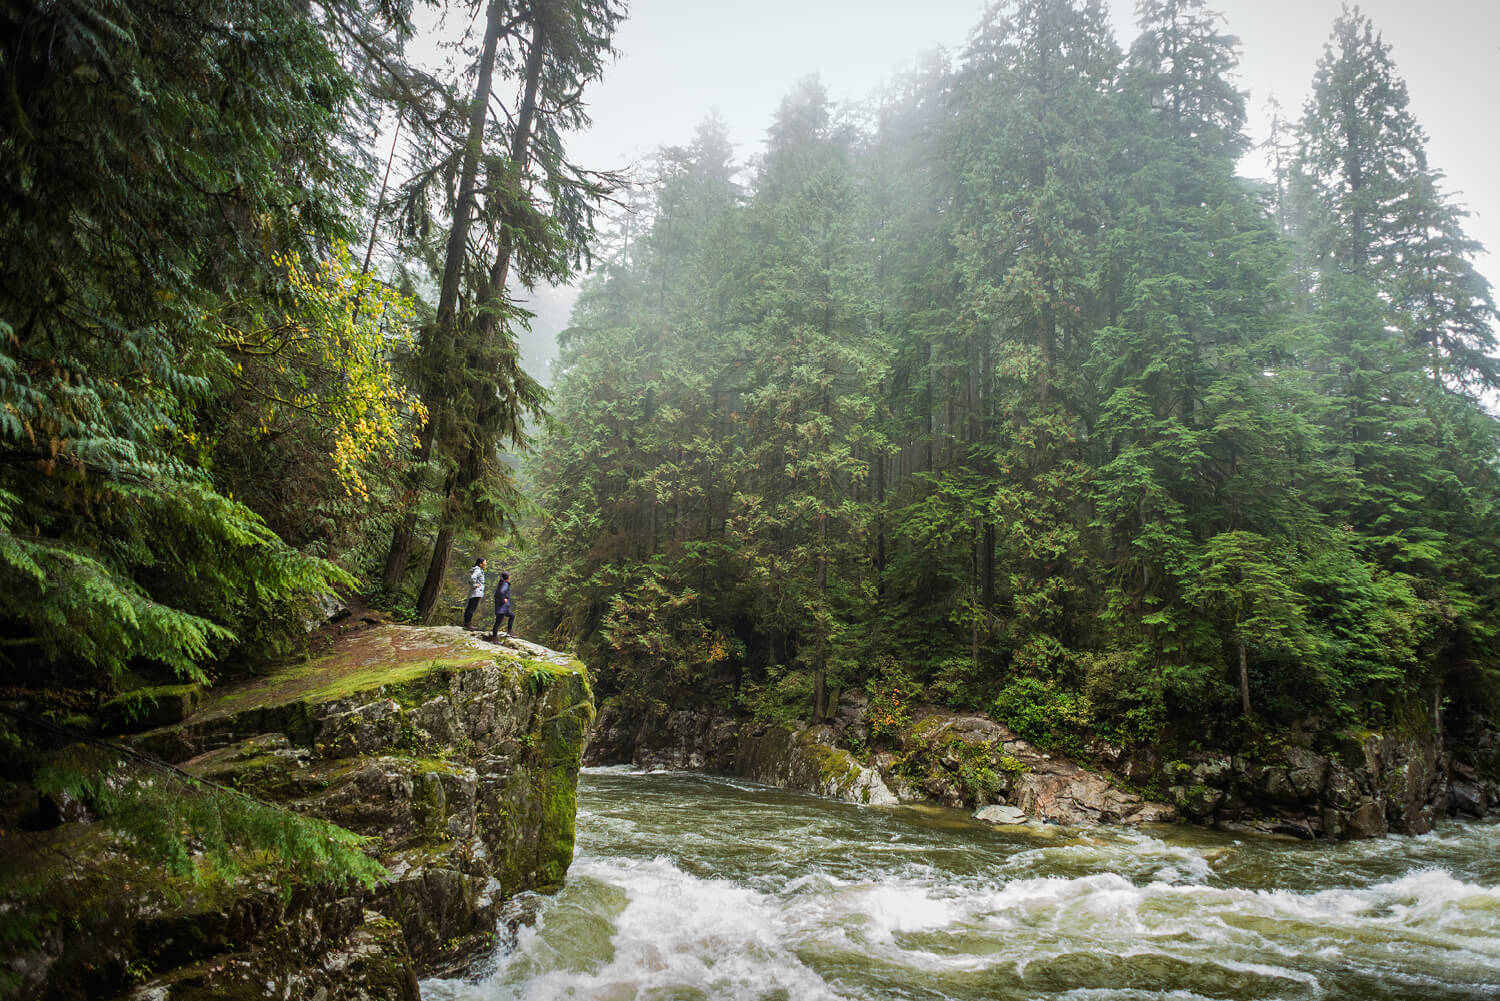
458	759
1370	785
1367	786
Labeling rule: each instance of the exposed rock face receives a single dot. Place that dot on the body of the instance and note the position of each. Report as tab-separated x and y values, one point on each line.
955	760
804	759
458	758
807	760
1369	786
971	761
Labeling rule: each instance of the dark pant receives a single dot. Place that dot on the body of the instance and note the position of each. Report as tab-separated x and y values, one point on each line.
510	623
469	611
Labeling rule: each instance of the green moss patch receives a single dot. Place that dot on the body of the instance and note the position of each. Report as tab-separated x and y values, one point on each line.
382	657
145	708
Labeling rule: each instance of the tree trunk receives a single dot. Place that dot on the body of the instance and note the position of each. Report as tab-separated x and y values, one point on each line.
444	332
975	594
987	571
473	465
399	553
820	673
437	570
1244	681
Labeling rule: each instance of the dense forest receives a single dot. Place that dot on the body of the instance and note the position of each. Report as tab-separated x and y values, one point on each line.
1006	391
258	325
218	402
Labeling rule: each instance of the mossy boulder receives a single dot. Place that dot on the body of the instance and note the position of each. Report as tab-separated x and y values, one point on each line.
459	759
805	759
969	760
148	708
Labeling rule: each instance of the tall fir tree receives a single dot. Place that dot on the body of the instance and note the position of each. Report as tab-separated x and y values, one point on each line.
1403	338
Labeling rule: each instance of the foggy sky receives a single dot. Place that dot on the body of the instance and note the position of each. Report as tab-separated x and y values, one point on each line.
680	60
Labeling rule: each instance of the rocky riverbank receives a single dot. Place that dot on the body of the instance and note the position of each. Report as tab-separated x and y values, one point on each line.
457	758
1365	786
953	760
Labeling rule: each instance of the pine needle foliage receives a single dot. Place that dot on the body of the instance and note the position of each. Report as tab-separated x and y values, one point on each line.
1010	379
152	158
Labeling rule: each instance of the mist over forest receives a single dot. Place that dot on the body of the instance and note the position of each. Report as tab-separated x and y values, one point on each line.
1006	388
993	432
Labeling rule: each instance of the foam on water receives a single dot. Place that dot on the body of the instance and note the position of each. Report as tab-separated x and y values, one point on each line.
677	936
694	890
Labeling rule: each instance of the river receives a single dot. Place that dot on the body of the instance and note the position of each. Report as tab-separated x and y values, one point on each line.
692	888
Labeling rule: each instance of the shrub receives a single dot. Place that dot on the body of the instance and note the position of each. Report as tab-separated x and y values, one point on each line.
1044	714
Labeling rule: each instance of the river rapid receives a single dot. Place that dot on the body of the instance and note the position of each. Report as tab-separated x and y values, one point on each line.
690	888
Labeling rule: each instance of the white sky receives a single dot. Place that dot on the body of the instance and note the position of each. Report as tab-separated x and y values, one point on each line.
681	59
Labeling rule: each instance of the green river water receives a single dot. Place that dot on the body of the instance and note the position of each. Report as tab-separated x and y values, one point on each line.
690	888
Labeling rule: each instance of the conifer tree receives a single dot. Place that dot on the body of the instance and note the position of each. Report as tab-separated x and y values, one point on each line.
633	469
1191	445
521	213
1030	150
1374	207
1404	338
804	326
145	175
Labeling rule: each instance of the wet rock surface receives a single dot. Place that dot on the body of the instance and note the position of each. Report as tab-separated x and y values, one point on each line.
1370	785
457	758
949	759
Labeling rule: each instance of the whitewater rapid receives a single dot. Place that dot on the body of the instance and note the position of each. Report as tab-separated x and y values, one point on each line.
687	887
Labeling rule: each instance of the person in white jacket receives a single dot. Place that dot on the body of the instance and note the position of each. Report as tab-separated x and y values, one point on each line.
476	591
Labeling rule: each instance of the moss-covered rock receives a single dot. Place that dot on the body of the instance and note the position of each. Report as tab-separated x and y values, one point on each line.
147	708
805	759
458	759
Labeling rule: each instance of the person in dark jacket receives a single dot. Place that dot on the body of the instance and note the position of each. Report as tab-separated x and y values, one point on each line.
476	591
502	607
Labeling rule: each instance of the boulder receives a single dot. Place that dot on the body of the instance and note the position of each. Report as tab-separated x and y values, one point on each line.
458	759
1306	772
147	708
1467	797
662	740
1003	815
805	759
970	760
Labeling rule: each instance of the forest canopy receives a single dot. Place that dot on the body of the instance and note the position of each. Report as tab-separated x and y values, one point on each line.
1006	387
1010	390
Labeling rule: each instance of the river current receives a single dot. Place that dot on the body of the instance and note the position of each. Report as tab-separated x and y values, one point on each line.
692	888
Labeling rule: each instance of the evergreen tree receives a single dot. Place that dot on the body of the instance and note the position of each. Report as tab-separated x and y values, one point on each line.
633	469
805	312
1031	151
1374	207
1191	445
145	172
520	213
1022	365
1403	334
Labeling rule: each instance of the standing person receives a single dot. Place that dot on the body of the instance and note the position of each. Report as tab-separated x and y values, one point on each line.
476	591
502	607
